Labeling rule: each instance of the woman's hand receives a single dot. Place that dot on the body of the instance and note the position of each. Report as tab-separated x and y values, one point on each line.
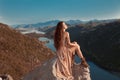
74	42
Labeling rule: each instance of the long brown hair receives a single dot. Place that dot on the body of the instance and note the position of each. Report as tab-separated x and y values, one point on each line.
58	35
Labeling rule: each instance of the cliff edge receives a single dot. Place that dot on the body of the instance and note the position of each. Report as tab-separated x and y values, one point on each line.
47	72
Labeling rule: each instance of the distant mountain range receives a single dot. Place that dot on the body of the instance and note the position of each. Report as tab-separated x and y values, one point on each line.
54	23
45	24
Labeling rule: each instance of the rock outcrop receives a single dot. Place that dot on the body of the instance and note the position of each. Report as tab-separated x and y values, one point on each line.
5	77
47	72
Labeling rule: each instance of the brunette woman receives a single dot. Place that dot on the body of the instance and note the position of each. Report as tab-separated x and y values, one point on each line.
65	50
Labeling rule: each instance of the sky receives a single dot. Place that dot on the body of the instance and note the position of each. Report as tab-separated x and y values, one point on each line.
34	11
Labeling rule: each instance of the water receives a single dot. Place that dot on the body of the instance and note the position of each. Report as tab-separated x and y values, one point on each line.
96	72
26	31
49	44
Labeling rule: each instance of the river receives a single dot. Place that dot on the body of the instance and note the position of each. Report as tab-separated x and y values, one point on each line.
96	72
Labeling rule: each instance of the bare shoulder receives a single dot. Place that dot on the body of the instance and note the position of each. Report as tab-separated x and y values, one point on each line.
67	33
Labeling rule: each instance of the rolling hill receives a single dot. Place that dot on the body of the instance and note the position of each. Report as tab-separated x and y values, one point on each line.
19	54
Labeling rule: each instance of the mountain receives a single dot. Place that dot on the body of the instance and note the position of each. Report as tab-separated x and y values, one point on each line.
54	23
99	41
74	22
46	24
18	25
19	54
86	24
38	25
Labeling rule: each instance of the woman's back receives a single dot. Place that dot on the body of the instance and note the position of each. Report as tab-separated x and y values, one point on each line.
64	41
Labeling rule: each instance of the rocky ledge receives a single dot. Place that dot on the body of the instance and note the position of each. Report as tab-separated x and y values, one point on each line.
47	72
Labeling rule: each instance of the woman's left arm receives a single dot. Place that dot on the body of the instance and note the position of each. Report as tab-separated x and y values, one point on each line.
68	40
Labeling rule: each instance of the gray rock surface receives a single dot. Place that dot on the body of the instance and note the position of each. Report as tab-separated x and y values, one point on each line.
46	72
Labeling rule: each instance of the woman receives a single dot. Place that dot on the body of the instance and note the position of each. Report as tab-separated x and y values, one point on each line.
65	51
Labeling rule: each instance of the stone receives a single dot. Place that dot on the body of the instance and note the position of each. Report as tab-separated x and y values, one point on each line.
5	77
46	72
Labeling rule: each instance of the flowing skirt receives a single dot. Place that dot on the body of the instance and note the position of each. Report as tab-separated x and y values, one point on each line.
63	64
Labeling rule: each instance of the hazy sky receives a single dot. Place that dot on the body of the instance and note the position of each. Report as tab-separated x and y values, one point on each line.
33	11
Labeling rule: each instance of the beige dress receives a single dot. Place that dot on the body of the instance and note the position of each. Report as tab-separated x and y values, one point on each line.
60	67
64	61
